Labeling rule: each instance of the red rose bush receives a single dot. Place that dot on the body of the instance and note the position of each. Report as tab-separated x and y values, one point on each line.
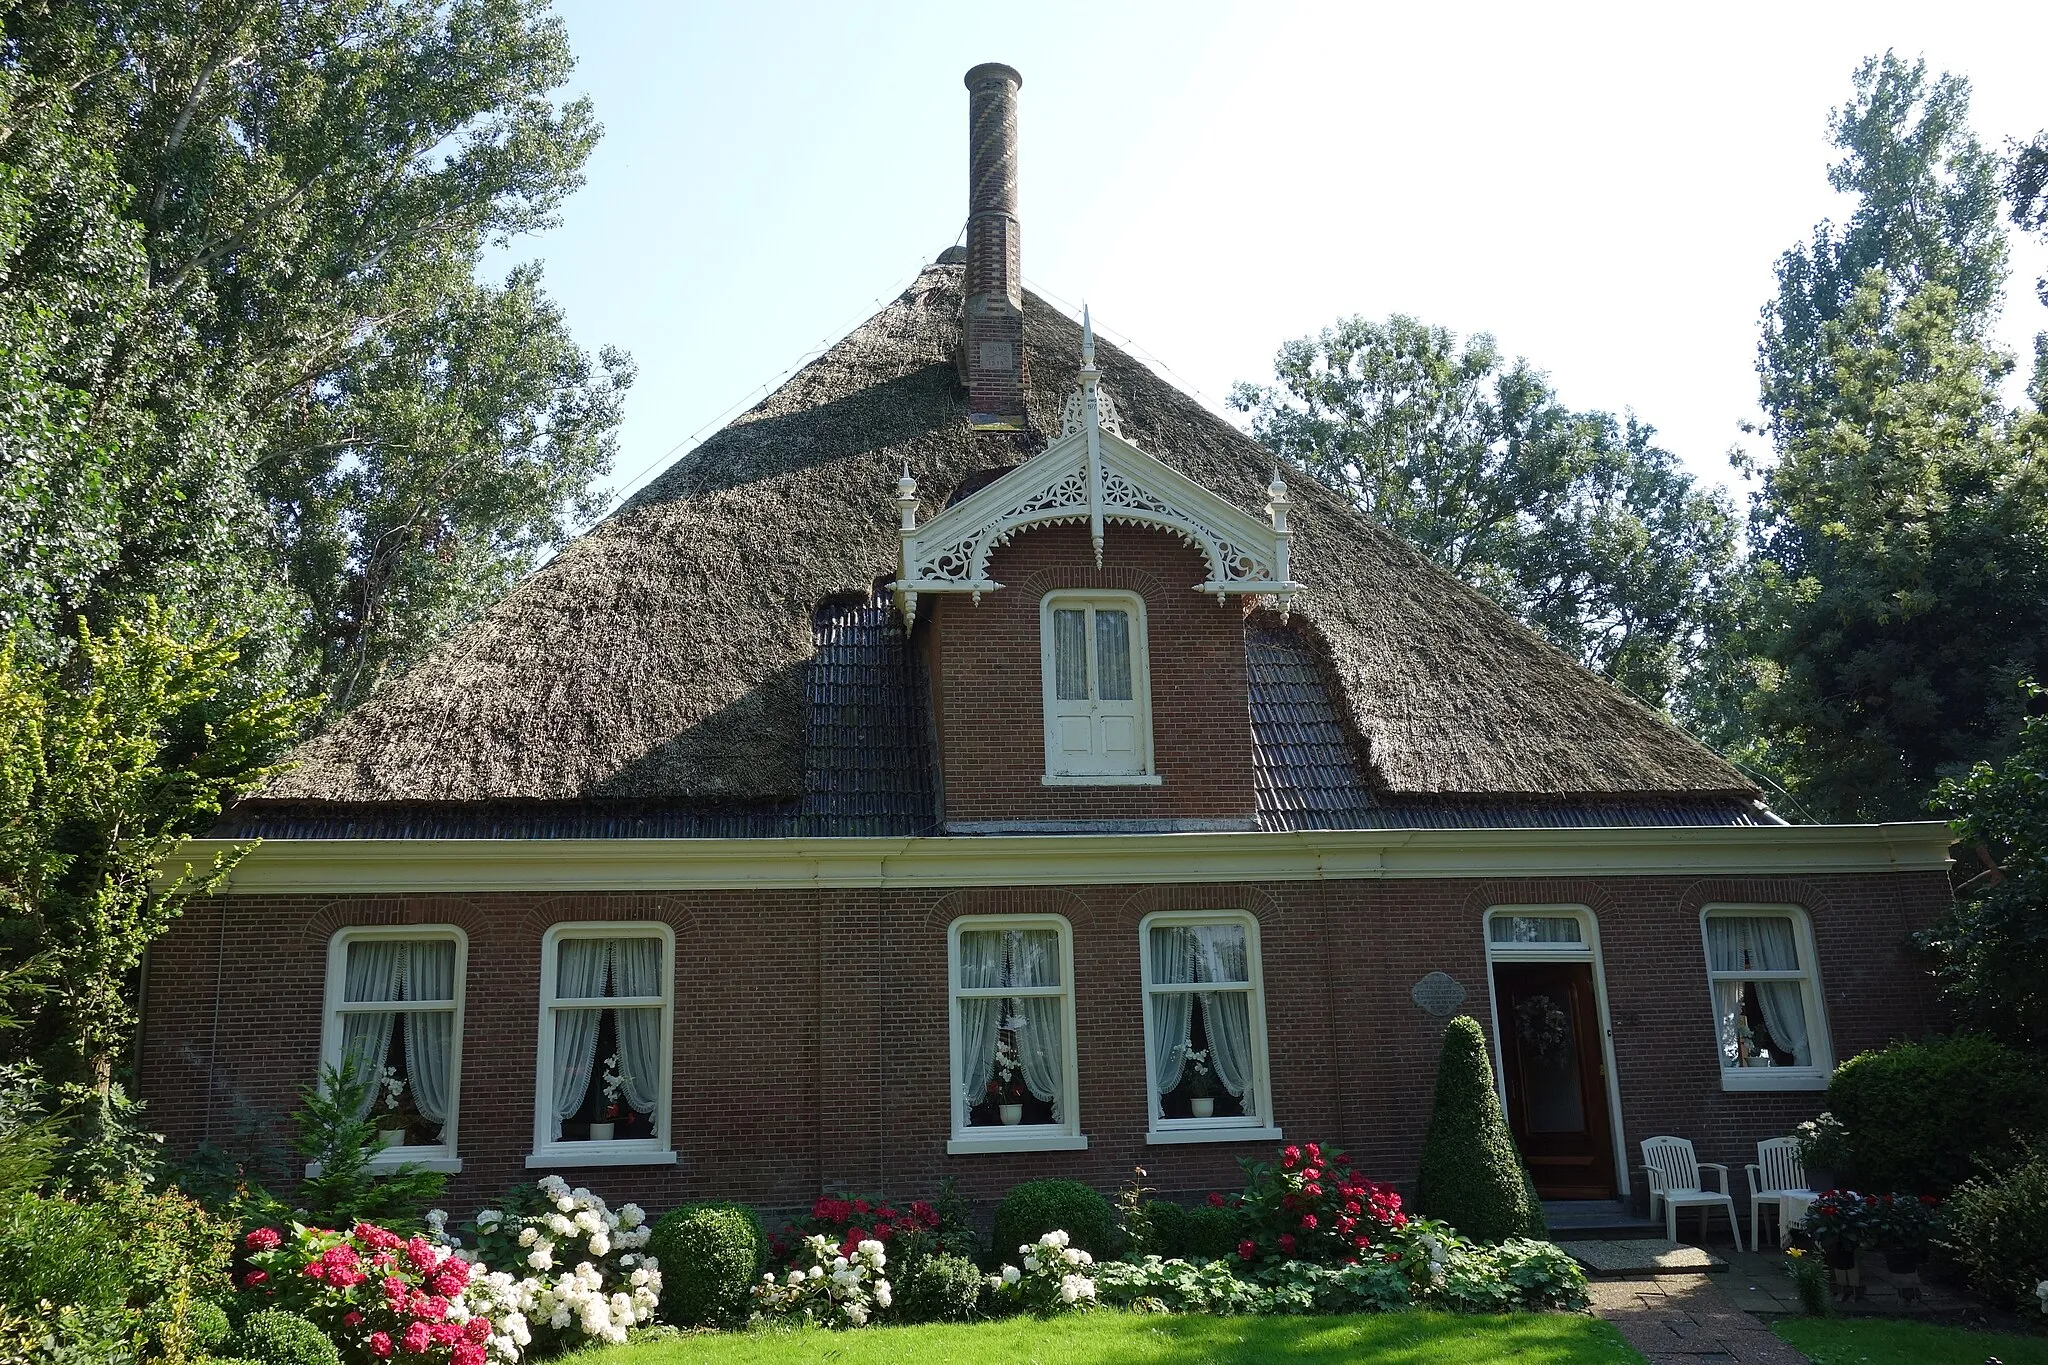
1312	1206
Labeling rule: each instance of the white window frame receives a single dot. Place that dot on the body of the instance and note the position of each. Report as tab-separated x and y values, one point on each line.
1141	685
1257	1127
1587	949
655	1151
441	1156
1813	1077
1041	1137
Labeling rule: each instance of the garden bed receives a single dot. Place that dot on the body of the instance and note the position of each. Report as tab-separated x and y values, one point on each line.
1136	1339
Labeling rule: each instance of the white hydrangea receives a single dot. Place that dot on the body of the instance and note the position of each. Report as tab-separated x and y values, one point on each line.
1053	1279
835	1290
601	1298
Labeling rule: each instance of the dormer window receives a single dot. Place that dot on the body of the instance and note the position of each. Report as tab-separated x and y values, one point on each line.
1098	695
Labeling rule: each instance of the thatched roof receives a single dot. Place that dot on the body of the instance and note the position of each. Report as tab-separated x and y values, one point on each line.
662	657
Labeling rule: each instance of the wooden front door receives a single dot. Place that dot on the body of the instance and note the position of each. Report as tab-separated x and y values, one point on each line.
1556	1076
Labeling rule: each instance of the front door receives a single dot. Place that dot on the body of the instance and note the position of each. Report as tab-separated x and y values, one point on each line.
1556	1076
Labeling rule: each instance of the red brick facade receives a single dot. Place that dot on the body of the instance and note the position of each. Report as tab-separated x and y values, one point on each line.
811	1047
988	687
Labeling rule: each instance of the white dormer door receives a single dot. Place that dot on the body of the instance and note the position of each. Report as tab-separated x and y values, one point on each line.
1097	695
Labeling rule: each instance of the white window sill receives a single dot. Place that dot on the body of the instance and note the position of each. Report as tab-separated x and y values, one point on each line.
971	1143
600	1154
1773	1078
391	1158
1102	780
1160	1137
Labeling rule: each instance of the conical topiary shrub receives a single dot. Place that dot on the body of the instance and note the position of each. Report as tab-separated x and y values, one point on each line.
1472	1176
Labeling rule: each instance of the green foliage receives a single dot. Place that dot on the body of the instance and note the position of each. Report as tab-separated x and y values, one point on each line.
208	1325
1997	1229
1924	1117
1471	1175
1203	1233
1991	949
941	1288
108	764
348	1189
1899	577
709	1255
246	343
1036	1207
276	1337
1810	1278
1574	521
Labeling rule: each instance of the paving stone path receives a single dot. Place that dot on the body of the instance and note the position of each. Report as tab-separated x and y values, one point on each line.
1687	1320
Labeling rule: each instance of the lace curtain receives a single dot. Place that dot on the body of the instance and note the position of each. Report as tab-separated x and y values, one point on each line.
1535	929
981	968
579	974
1202	953
375	972
1173	1012
1041	1041
430	1034
1758	943
637	971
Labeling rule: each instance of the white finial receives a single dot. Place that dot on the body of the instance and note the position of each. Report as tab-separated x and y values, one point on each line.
906	502
1087	340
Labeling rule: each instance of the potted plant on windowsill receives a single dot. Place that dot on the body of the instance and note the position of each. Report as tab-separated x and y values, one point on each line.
1201	1086
615	1080
391	1123
1006	1087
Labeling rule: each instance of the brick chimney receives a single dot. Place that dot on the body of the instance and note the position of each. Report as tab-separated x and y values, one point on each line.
992	349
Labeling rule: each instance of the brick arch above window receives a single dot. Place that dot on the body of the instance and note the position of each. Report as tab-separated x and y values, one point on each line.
364	912
1010	900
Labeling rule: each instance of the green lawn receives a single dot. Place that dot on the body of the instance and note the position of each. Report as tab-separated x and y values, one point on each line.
1888	1341
1110	1338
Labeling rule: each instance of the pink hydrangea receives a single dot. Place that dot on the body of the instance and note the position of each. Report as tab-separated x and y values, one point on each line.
380	1344
418	1336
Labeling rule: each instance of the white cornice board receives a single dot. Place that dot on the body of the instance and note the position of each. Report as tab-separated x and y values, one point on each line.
383	866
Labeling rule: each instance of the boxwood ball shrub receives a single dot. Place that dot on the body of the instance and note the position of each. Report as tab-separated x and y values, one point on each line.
206	1325
941	1288
276	1337
1472	1176
1206	1232
1921	1116
709	1255
1036	1207
1997	1228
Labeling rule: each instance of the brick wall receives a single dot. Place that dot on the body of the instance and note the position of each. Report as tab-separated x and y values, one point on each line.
988	687
811	1037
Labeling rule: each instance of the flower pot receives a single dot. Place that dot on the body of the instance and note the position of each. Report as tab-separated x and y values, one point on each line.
1202	1107
1841	1255
600	1132
1905	1262
1013	1114
391	1137
1820	1178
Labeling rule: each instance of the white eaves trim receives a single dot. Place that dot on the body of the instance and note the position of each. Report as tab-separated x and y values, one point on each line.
371	866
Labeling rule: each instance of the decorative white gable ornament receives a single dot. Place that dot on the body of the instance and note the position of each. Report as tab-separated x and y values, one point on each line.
1091	473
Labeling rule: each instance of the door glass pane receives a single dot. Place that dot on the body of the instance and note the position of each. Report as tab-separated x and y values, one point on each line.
1550	1065
1113	655
1070	654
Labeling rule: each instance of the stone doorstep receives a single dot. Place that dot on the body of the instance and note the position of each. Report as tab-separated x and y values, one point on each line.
1623	1257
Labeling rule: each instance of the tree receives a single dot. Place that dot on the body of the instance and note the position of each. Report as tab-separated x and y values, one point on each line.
1471	1176
1898	580
1574	521
242	242
1992	949
109	762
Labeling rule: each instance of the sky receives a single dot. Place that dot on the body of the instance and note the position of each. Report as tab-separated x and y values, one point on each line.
1604	189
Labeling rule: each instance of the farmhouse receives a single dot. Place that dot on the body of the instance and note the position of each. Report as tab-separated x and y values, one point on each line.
977	761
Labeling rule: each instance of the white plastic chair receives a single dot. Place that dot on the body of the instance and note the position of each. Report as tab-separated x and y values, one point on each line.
1674	1173
1775	1179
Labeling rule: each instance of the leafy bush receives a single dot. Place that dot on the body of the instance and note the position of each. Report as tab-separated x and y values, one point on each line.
276	1337
826	1288
941	1288
709	1255
572	1270
846	1220
1924	1117
1053	1277
1472	1176
1206	1232
1036	1207
1311	1206
207	1326
1998	1229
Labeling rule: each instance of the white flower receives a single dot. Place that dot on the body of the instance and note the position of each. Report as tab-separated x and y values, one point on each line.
489	1219
631	1215
560	1226
600	1245
1030	1265
528	1235
1010	1275
541	1257
553	1186
1068	1291
883	1294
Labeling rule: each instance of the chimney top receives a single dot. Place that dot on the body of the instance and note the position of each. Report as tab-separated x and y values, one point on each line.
992	341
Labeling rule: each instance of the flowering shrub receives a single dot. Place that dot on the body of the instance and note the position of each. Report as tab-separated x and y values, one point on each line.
377	1295
1054	1278
1904	1222
575	1270
848	1220
1311	1207
1843	1218
827	1286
